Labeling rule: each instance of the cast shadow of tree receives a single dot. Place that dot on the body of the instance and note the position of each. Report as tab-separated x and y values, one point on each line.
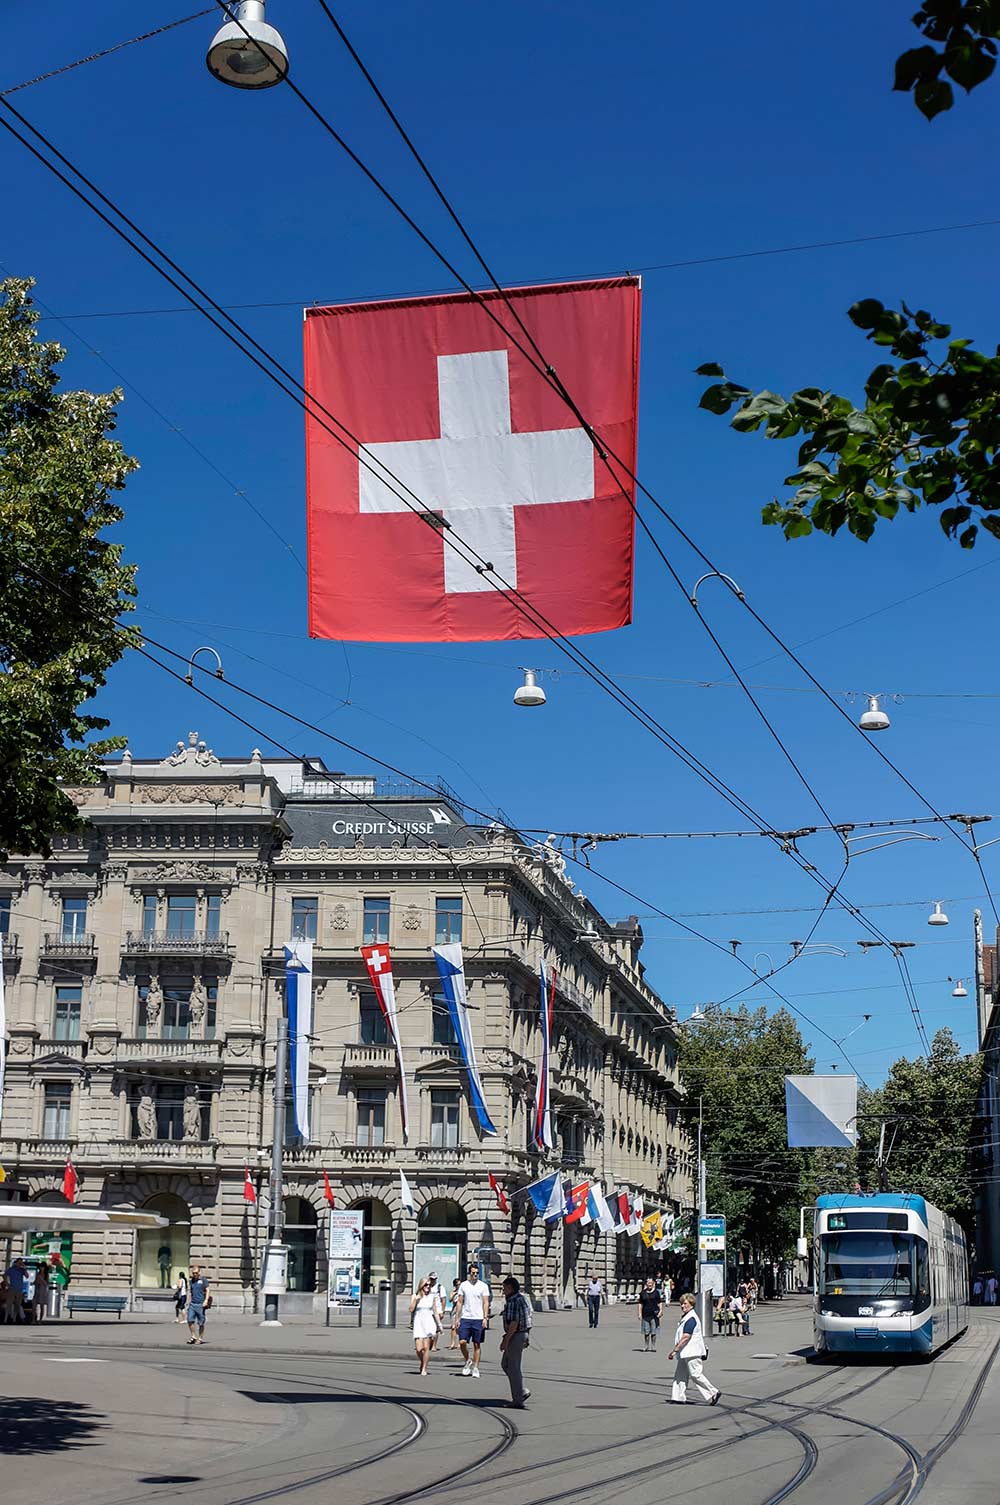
29	1425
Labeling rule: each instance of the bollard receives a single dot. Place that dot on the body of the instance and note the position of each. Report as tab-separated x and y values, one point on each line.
54	1302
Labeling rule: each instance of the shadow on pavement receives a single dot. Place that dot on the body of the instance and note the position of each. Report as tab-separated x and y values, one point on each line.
31	1425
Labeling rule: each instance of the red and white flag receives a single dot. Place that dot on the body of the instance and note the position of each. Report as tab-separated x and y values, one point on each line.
327	1189
379	964
249	1194
576	1202
69	1182
503	1201
447	414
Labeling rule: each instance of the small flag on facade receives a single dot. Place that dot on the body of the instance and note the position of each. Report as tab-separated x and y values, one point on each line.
652	1229
405	1195
624	1211
69	1182
249	1195
503	1201
547	1196
327	1189
576	1202
598	1209
379	964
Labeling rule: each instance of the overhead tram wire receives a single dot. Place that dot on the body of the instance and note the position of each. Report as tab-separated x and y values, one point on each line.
289	385
94	57
717	945
602	448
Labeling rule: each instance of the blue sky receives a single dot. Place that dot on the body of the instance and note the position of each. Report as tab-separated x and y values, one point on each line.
572	144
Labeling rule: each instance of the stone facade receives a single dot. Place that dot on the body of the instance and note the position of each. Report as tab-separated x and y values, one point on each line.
144	970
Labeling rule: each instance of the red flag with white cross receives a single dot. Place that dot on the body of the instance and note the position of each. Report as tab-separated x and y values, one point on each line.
451	490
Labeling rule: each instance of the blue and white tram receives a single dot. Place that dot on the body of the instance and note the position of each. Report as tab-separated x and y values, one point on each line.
891	1275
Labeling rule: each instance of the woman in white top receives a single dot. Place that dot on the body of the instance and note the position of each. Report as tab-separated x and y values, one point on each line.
689	1350
423	1310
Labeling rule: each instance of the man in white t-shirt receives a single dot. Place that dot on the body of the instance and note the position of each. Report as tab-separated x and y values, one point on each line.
473	1305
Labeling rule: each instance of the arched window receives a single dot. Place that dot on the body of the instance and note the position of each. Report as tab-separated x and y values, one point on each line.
442	1240
376	1247
300	1238
162	1253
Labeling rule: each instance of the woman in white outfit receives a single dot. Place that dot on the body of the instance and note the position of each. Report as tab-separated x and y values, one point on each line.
689	1350
424	1311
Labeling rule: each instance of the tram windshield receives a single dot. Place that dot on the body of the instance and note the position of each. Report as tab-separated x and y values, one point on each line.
866	1262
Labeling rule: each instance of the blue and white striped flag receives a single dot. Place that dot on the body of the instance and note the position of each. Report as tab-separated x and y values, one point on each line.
452	973
298	998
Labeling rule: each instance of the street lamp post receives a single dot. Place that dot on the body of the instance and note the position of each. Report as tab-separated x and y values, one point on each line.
246	52
273	1282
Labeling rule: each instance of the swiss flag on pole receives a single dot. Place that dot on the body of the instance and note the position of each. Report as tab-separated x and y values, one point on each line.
69	1182
249	1194
448	415
327	1189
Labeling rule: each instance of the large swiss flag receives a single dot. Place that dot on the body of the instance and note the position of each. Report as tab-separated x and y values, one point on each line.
447	413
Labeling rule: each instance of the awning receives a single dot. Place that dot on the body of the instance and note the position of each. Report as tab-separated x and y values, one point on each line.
19	1217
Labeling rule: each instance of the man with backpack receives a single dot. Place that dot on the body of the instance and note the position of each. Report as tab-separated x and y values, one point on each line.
516	1336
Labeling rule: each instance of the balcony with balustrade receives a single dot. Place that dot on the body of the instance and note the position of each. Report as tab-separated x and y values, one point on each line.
195	944
11	947
142	1050
370	1060
77	946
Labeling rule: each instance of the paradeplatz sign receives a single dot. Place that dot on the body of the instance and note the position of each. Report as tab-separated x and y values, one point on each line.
375	823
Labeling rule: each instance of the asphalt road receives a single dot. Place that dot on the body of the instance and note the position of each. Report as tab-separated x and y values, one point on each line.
101	1411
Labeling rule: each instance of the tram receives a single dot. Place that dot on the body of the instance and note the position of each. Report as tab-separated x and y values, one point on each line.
891	1275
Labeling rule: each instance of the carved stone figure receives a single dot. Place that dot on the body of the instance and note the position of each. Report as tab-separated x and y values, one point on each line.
145	1113
197	1004
154	1004
192	1112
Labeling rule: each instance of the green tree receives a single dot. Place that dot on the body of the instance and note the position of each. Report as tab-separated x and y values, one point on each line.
928	1106
62	583
736	1064
928	430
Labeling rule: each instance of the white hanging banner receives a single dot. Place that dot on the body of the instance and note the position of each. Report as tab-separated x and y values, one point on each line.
822	1111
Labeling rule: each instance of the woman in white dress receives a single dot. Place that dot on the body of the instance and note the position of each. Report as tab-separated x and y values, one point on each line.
426	1326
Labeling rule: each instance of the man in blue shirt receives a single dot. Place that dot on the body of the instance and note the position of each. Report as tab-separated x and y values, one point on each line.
197	1302
17	1281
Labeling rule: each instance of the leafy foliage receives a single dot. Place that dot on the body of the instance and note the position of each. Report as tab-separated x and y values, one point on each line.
966	32
930	1105
62	585
736	1064
928	433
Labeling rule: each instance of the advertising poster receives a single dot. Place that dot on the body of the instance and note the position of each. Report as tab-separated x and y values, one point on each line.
345	1243
442	1258
57	1250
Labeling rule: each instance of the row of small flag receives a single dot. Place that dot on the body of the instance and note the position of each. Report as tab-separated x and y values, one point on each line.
585	1203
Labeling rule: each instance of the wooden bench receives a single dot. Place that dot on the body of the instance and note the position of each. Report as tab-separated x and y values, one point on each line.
77	1303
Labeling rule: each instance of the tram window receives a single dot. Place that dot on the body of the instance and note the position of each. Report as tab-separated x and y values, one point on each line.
870	1263
923	1274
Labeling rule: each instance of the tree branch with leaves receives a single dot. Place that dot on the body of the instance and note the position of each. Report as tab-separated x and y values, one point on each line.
63	584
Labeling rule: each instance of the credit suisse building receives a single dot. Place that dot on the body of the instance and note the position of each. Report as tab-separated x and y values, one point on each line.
144	976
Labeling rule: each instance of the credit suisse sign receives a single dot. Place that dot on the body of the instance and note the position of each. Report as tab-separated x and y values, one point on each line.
383	823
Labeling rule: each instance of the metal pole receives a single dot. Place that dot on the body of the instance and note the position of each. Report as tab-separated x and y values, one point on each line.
276	1215
703	1296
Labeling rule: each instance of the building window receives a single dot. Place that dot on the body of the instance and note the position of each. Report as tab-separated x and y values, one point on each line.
373	1026
442	1029
74	919
182	910
5	915
305	919
371	1117
447	921
213	916
67	1020
149	909
376	922
444	1118
55	1113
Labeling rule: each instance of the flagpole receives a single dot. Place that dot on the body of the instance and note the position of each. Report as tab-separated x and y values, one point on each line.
274	1259
703	1295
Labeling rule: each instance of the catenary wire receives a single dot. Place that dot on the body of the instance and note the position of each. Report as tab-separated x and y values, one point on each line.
94	57
603	450
523	605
